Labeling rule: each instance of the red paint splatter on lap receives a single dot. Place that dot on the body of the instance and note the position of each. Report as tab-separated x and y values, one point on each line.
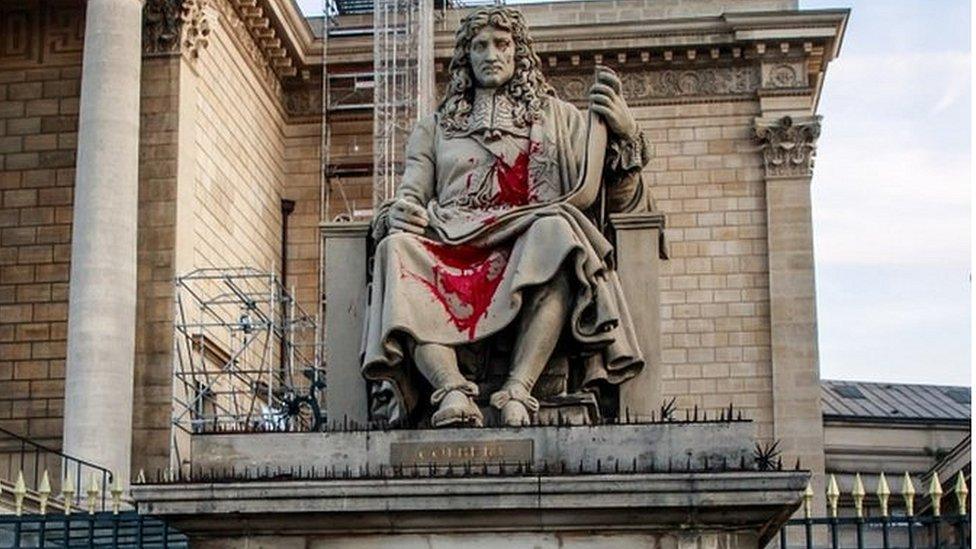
464	282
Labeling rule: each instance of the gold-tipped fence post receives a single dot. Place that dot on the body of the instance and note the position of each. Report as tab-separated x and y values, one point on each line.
908	493
44	492
884	492
117	494
833	495
92	492
935	494
20	490
961	492
68	492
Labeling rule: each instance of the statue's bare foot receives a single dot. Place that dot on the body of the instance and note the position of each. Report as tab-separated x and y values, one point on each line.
515	404
457	408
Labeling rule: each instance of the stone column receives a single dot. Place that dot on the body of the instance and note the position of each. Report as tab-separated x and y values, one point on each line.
639	254
788	147
102	298
345	302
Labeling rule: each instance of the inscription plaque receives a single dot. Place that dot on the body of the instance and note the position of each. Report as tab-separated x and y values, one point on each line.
460	452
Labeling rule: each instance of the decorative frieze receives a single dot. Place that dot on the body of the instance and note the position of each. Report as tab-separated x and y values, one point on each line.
643	87
784	75
41	33
304	101
789	144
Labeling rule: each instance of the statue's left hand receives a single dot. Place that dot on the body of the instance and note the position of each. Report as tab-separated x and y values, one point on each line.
607	100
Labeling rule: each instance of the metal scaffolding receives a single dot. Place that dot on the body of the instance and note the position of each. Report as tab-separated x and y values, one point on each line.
246	355
403	62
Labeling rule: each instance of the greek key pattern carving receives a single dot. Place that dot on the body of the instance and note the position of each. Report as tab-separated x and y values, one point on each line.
789	144
649	86
41	34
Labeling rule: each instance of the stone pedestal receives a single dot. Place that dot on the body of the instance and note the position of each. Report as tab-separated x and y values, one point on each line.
345	298
667	485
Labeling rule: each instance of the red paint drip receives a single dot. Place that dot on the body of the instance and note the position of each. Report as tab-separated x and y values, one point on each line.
465	280
513	181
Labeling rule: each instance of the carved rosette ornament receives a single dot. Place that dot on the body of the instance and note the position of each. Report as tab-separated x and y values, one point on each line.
174	26
789	144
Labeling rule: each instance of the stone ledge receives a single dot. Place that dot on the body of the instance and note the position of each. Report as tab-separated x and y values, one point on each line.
754	501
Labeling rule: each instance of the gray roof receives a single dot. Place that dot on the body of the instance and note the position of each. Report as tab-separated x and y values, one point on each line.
895	401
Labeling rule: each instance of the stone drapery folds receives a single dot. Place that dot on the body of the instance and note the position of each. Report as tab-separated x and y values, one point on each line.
789	144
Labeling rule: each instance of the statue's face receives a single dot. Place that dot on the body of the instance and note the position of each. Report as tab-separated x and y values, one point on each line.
492	55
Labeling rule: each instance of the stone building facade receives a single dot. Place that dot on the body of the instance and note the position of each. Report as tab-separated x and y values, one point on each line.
230	122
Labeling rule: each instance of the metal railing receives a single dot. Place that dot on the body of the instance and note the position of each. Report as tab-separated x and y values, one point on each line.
128	529
888	528
921	532
32	469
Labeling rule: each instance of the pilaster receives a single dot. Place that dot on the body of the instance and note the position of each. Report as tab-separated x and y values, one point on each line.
788	146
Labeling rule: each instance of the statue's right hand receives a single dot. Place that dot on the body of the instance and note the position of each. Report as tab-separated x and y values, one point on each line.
407	216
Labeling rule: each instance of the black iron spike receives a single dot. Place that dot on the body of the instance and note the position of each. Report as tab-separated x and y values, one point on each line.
581	466
616	465
705	415
669	464
705	461
633	464
725	463
730	411
742	462
779	463
738	416
599	465
688	464
696	412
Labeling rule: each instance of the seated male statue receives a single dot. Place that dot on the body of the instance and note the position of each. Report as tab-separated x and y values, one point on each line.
483	241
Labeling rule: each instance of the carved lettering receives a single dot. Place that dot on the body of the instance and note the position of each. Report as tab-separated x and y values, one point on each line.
457	453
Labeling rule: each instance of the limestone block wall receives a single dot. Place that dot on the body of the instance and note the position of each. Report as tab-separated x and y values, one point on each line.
239	144
303	140
706	176
40	71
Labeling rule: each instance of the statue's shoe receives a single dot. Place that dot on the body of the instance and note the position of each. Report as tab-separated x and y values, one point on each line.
515	414
457	408
515	404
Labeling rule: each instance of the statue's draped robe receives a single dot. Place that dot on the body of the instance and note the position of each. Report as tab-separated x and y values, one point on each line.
499	224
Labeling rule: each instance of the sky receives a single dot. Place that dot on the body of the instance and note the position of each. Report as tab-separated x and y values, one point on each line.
891	194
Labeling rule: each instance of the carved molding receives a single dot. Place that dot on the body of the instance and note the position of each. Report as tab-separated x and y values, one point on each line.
41	34
784	75
161	21
196	27
789	144
642	87
304	101
173	26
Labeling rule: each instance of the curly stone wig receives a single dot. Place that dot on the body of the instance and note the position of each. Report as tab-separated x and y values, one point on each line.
528	87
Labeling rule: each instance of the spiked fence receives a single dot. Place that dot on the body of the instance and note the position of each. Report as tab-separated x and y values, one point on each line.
880	521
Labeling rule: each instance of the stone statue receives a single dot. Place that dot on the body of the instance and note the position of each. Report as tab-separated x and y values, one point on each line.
492	251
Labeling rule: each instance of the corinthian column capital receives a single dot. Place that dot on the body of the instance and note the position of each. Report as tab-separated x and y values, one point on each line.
789	144
172	26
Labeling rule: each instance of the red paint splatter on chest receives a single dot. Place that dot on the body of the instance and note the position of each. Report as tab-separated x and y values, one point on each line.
513	181
465	279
